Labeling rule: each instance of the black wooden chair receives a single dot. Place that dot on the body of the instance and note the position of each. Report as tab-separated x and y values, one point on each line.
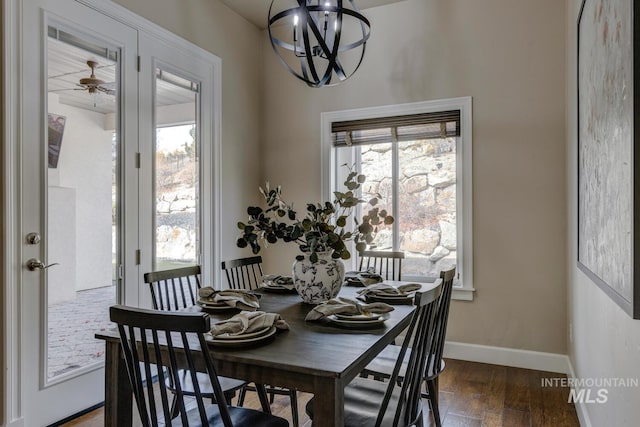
144	333
382	366
387	264
368	402
243	273
177	289
246	273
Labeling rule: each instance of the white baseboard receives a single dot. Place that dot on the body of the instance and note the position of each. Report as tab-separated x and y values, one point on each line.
15	423
581	409
549	362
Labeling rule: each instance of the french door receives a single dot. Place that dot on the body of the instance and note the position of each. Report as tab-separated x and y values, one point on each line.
178	175
114	138
78	124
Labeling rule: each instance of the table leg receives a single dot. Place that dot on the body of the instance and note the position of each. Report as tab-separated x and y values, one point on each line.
118	404
264	399
328	403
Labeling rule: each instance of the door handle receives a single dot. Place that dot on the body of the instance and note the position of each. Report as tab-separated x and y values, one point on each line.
35	264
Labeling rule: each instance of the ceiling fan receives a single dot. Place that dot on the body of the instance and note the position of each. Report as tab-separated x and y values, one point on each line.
92	84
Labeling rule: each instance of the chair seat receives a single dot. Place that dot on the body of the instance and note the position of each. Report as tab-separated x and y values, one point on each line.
239	417
382	365
362	399
271	391
228	385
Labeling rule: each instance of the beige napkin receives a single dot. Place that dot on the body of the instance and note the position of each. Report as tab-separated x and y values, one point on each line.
361	278
275	280
385	289
342	305
238	298
248	321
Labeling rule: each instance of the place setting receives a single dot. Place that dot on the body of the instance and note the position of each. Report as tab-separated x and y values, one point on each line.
247	328
362	278
387	293
210	299
351	314
278	284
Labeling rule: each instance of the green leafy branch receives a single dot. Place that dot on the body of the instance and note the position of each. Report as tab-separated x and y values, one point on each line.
322	228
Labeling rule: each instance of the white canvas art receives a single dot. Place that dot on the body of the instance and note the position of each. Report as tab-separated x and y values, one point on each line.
605	168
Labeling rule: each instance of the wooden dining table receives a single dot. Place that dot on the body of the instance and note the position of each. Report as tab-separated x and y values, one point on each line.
316	357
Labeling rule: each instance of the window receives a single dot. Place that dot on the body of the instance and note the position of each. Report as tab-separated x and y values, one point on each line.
417	159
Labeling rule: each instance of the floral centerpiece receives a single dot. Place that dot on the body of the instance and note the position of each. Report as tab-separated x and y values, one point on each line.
321	234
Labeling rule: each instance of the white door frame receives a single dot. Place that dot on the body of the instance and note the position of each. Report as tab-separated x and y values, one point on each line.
11	379
38	399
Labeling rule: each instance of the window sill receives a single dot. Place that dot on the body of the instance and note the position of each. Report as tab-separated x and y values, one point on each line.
463	294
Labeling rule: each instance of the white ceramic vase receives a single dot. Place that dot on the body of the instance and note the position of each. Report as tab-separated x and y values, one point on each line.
317	282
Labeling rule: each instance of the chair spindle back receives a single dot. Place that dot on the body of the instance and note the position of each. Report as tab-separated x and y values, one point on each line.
175	289
143	333
437	347
243	273
420	335
388	264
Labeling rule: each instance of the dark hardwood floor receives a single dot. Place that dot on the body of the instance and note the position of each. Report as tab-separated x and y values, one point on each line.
471	394
477	394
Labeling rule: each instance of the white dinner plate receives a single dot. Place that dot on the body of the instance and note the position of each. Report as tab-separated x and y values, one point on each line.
254	334
240	341
358	317
215	306
356	324
390	299
210	302
278	289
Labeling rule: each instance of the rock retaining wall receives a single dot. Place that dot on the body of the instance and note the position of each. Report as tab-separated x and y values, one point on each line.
176	225
427	198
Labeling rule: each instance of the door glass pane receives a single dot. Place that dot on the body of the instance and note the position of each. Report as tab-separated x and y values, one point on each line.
82	196
176	172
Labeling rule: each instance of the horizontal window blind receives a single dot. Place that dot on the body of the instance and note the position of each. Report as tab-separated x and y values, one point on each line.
442	124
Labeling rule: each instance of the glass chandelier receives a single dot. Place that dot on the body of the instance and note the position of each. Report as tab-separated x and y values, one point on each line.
321	42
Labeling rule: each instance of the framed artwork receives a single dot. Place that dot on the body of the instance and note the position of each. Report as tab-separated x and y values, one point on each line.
56	130
608	204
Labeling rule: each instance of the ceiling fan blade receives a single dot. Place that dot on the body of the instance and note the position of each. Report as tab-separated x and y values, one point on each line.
106	90
64	90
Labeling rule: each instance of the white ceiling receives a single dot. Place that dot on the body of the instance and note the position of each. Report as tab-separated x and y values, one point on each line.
67	64
257	11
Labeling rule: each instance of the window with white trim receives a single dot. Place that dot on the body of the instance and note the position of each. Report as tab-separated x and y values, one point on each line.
417	161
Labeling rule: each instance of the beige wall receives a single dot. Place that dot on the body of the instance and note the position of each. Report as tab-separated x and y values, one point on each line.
216	28
509	56
605	341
